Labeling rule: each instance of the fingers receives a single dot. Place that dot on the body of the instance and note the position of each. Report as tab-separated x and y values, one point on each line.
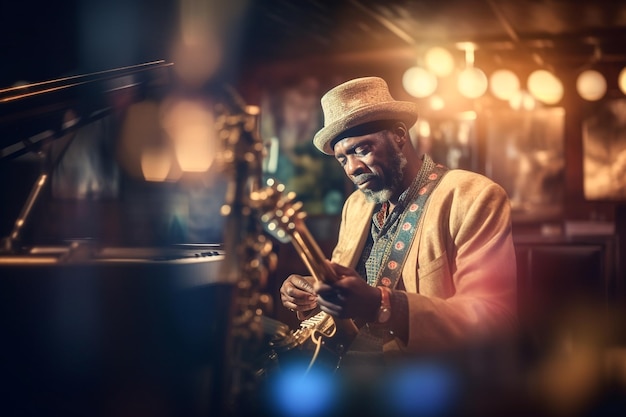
332	303
298	294
331	293
345	298
302	283
332	300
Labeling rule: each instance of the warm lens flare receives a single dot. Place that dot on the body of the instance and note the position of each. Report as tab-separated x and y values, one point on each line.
591	85
472	82
504	84
439	61
419	82
545	87
190	125
156	164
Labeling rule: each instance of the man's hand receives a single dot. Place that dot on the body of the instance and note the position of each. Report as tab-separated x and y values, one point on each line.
349	297
297	293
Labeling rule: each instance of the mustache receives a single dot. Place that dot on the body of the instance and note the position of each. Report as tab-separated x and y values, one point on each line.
361	178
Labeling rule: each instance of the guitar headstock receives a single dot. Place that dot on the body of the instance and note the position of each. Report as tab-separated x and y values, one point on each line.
283	218
282	215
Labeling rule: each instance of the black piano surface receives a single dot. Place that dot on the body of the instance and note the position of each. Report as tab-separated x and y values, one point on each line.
107	307
30	113
129	331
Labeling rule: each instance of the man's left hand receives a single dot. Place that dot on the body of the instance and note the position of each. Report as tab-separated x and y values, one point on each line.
349	297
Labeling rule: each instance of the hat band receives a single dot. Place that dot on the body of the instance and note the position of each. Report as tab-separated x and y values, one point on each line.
363	129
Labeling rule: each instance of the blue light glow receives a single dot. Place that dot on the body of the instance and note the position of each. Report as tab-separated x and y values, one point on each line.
426	389
296	393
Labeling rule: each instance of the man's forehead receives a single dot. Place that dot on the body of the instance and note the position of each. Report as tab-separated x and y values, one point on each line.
362	130
345	144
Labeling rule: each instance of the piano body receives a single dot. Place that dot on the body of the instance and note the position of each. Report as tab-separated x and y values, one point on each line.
118	331
116	317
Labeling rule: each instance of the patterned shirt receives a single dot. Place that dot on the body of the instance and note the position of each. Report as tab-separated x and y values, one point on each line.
384	227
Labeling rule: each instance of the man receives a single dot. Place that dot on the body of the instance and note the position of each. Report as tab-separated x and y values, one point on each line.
424	260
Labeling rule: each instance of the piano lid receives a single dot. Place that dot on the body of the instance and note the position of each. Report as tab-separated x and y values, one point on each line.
34	112
77	144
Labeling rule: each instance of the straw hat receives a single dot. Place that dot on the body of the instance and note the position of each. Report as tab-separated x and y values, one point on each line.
359	101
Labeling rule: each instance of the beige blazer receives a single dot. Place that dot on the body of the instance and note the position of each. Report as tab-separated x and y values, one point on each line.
460	272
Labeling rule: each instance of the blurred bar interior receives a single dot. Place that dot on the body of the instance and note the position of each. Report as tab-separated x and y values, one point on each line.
129	128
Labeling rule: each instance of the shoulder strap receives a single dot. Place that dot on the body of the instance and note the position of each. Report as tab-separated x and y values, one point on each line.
393	262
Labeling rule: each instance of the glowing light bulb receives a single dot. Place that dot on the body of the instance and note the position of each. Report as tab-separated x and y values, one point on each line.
472	82
591	85
545	87
439	61
155	164
437	103
191	128
504	84
418	82
423	128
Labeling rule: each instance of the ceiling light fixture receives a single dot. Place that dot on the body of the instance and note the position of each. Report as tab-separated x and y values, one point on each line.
504	84
439	61
419	82
545	86
472	82
591	85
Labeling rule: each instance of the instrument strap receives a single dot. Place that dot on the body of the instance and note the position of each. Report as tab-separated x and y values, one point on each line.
395	255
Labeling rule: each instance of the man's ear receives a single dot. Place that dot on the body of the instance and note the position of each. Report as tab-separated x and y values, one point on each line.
401	133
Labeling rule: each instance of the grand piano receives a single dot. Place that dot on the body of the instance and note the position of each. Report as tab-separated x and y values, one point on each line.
113	302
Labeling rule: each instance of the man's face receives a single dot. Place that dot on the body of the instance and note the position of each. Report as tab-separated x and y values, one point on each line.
374	162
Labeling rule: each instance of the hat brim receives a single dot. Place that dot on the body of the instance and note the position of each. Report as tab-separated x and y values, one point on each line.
403	111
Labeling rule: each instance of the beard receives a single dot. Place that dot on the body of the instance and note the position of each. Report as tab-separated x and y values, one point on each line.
392	179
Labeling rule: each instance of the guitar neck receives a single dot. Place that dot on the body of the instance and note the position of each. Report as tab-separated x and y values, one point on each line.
311	254
314	259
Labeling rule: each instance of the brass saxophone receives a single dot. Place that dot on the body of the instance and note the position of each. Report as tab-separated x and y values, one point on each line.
249	257
253	211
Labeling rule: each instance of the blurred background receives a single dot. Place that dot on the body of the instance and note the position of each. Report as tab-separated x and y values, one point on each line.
531	93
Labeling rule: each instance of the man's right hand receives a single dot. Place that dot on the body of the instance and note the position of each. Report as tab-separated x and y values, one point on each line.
297	294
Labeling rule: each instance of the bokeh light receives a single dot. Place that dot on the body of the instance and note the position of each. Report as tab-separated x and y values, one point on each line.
140	130
439	61
545	87
522	100
472	82
190	125
197	60
156	163
421	389
423	128
436	103
418	82
294	392
199	52
591	85
504	84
